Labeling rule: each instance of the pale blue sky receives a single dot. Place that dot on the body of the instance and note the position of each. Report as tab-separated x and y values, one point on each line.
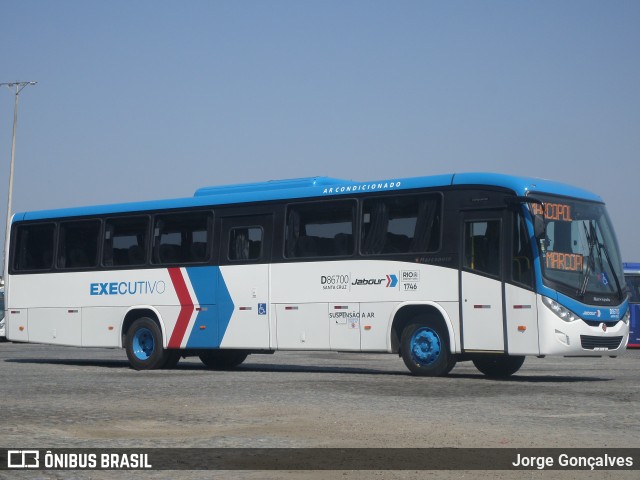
140	100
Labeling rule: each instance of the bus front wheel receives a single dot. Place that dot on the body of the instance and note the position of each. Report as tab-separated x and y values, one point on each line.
425	350
144	346
498	366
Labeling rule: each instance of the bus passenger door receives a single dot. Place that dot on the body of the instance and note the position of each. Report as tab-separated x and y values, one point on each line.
245	254
481	287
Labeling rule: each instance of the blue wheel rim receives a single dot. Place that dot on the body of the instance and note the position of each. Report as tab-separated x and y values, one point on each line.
143	344
425	346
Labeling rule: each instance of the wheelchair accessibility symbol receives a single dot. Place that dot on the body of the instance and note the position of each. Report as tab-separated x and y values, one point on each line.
262	309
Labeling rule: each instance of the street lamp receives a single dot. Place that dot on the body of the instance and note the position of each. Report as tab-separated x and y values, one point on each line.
18	88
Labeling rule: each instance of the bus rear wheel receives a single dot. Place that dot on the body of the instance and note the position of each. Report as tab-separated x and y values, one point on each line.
223	359
144	346
425	350
498	366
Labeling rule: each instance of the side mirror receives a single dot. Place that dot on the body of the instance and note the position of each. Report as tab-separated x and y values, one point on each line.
539	222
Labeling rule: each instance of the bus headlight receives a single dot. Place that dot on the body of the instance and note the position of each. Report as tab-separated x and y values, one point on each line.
626	318
564	313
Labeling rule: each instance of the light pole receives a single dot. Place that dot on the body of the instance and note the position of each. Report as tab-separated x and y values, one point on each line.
18	88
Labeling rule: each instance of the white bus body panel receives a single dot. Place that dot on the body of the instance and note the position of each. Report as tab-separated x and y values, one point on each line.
79	309
101	326
367	294
302	326
482	313
58	326
344	326
558	337
17	323
522	321
248	287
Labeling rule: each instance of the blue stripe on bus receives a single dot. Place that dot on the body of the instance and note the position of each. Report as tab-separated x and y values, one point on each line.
217	306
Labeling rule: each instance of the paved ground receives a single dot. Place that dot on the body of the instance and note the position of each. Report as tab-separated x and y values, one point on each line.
54	397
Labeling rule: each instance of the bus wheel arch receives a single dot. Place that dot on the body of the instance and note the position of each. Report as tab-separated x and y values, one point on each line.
422	337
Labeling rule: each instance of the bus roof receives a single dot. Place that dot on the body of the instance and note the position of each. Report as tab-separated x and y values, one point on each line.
316	187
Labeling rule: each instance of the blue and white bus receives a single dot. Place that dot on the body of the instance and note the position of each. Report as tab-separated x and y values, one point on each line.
486	268
632	277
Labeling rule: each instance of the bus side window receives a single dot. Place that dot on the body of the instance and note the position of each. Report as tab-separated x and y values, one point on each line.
400	224
482	246
34	247
320	229
522	258
125	241
245	243
78	244
182	237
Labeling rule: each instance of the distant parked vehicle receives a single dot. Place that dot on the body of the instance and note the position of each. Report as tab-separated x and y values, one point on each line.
632	276
3	331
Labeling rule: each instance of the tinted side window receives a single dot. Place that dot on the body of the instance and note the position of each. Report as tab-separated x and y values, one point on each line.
125	241
182	237
78	244
320	229
522	257
402	224
482	246
245	243
34	247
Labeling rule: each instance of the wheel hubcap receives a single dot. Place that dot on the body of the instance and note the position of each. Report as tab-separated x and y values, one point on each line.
143	344
425	346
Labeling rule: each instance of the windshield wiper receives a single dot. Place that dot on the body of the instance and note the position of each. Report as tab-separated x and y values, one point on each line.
590	260
602	247
594	241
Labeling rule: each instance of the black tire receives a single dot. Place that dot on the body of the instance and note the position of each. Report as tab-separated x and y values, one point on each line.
172	359
498	366
223	359
144	345
425	349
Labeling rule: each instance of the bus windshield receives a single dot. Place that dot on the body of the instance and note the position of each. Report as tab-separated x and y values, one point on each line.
579	254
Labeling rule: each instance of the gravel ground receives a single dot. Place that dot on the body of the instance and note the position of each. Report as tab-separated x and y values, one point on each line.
63	397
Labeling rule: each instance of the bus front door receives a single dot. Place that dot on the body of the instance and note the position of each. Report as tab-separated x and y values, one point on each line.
481	281
498	297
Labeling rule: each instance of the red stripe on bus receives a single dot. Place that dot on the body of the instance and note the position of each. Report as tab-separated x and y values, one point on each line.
186	307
